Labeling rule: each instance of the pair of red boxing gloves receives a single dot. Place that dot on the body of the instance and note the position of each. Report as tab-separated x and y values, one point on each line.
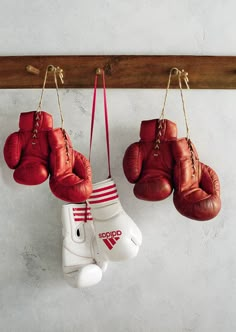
94	232
38	150
160	162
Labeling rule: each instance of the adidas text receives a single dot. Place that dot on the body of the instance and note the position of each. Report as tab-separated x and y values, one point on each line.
110	234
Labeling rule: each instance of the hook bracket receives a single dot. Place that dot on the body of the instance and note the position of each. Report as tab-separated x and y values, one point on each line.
32	70
99	71
56	70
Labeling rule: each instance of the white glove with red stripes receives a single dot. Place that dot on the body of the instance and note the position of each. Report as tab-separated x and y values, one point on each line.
81	262
117	236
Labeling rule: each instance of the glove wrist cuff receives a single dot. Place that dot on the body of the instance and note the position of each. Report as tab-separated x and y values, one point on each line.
104	193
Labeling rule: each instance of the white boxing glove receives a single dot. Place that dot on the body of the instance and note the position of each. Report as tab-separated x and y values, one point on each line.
81	263
117	236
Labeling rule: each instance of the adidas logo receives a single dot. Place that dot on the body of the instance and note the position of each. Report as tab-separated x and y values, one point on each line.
110	238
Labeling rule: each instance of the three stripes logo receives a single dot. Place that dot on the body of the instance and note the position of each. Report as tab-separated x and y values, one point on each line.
104	194
82	214
110	238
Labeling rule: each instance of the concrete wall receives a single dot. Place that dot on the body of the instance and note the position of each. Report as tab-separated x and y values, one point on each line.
183	279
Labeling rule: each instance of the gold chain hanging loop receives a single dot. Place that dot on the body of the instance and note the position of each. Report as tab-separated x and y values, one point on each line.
57	71
182	75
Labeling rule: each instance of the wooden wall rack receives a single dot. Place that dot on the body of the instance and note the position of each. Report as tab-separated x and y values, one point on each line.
131	71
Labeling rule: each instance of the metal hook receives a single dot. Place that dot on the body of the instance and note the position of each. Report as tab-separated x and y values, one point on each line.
174	71
50	68
56	70
99	71
181	74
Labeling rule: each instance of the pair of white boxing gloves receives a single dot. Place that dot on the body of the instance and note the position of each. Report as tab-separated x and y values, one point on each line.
94	233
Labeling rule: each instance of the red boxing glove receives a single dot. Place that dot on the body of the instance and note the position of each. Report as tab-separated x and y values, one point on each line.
149	162
70	172
27	150
197	187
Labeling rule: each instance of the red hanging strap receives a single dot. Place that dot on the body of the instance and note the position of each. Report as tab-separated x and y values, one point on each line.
105	118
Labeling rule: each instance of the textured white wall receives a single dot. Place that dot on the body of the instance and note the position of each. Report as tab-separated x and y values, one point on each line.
184	278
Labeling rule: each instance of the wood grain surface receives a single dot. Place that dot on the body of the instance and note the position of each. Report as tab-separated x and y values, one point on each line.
131	71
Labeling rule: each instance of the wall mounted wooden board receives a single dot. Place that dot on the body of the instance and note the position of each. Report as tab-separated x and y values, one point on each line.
131	71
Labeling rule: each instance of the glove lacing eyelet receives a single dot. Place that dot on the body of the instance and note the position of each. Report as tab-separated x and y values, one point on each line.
36	125
66	145
192	156
158	138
